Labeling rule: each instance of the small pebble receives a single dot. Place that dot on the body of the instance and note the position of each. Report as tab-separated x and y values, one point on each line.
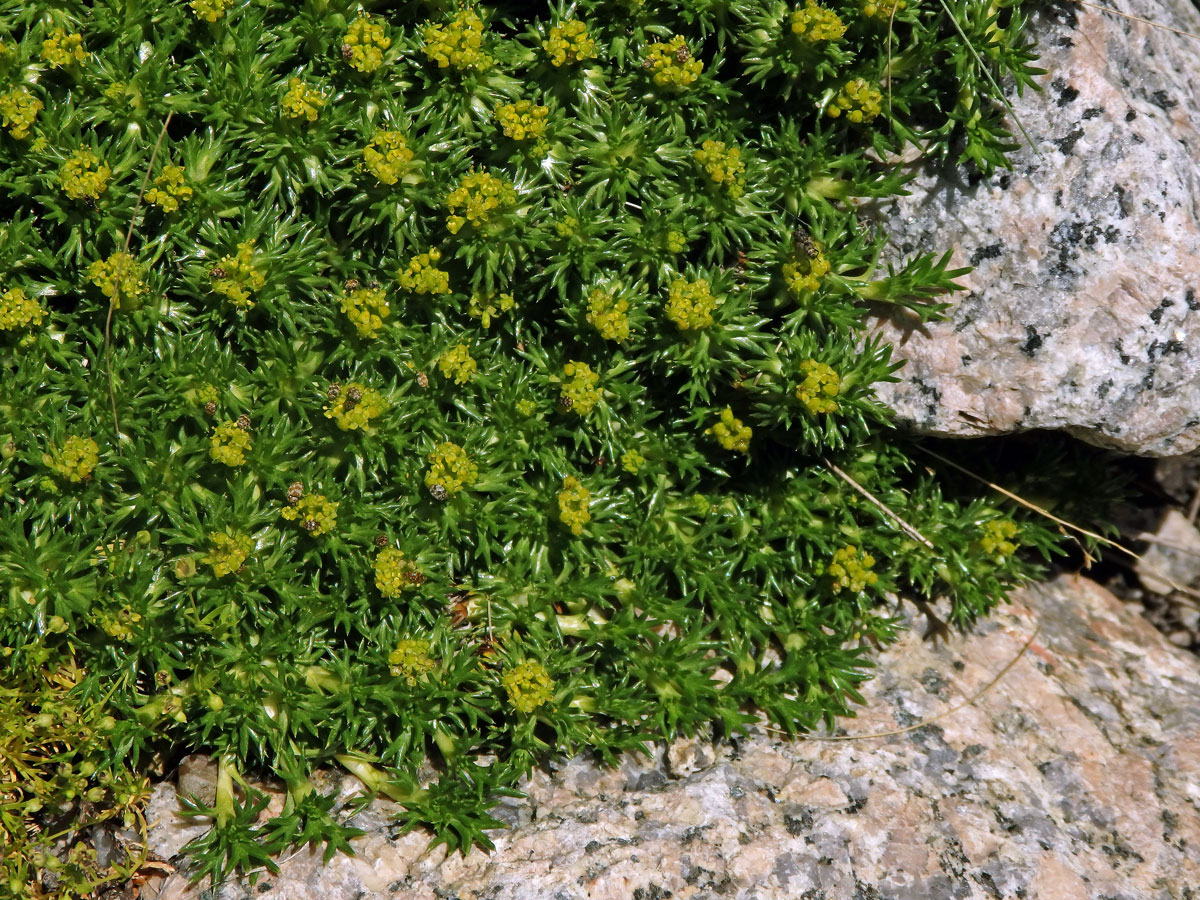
1180	638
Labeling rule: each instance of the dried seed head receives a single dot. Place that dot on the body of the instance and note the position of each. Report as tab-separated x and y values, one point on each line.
422	380
294	492
438	492
217	273
352	284
243	422
373	285
347	52
805	244
353	395
682	54
210	408
415	577
334	391
381	541
310	525
565	403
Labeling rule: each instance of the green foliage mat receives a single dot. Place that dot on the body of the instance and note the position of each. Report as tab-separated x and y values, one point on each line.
428	388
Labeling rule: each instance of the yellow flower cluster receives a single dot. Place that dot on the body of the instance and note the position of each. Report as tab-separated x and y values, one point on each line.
169	189
852	569
579	391
355	406
522	120
84	175
608	315
301	101
120	625
76	460
20	110
804	274
210	10
882	9
387	157
366	308
411	661
487	308
395	573
422	276
229	444
569	43
118	277
998	537
731	433
478	196
724	167
529	686
458	44
316	513
815	23
450	470
227	552
363	44
62	49
236	278
19	311
116	90
820	385
671	64
632	461
457	363
676	241
573	502
526	407
690	304
858	100
206	394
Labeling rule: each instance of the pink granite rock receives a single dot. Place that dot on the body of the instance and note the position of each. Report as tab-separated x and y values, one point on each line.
1076	777
1083	312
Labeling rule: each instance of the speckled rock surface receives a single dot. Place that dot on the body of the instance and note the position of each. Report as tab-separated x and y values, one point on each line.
1083	313
1076	777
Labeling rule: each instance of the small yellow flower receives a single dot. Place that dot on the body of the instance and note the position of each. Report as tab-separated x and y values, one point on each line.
851	569
395	573
803	274
84	175
526	407
118	277
19	109
456	363
316	513
676	241
815	23
422	276
529	686
569	43
997	539
363	44
62	49
301	101
236	277
450	470
731	433
478	197
227	553
671	64
819	388
457	44
170	189
579	391
690	304
724	167
115	91
121	624
366	308
523	120
19	311
387	156
487	308
229	444
356	405
411	661
858	100
76	460
207	393
573	502
882	9
632	461
210	10
608	315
